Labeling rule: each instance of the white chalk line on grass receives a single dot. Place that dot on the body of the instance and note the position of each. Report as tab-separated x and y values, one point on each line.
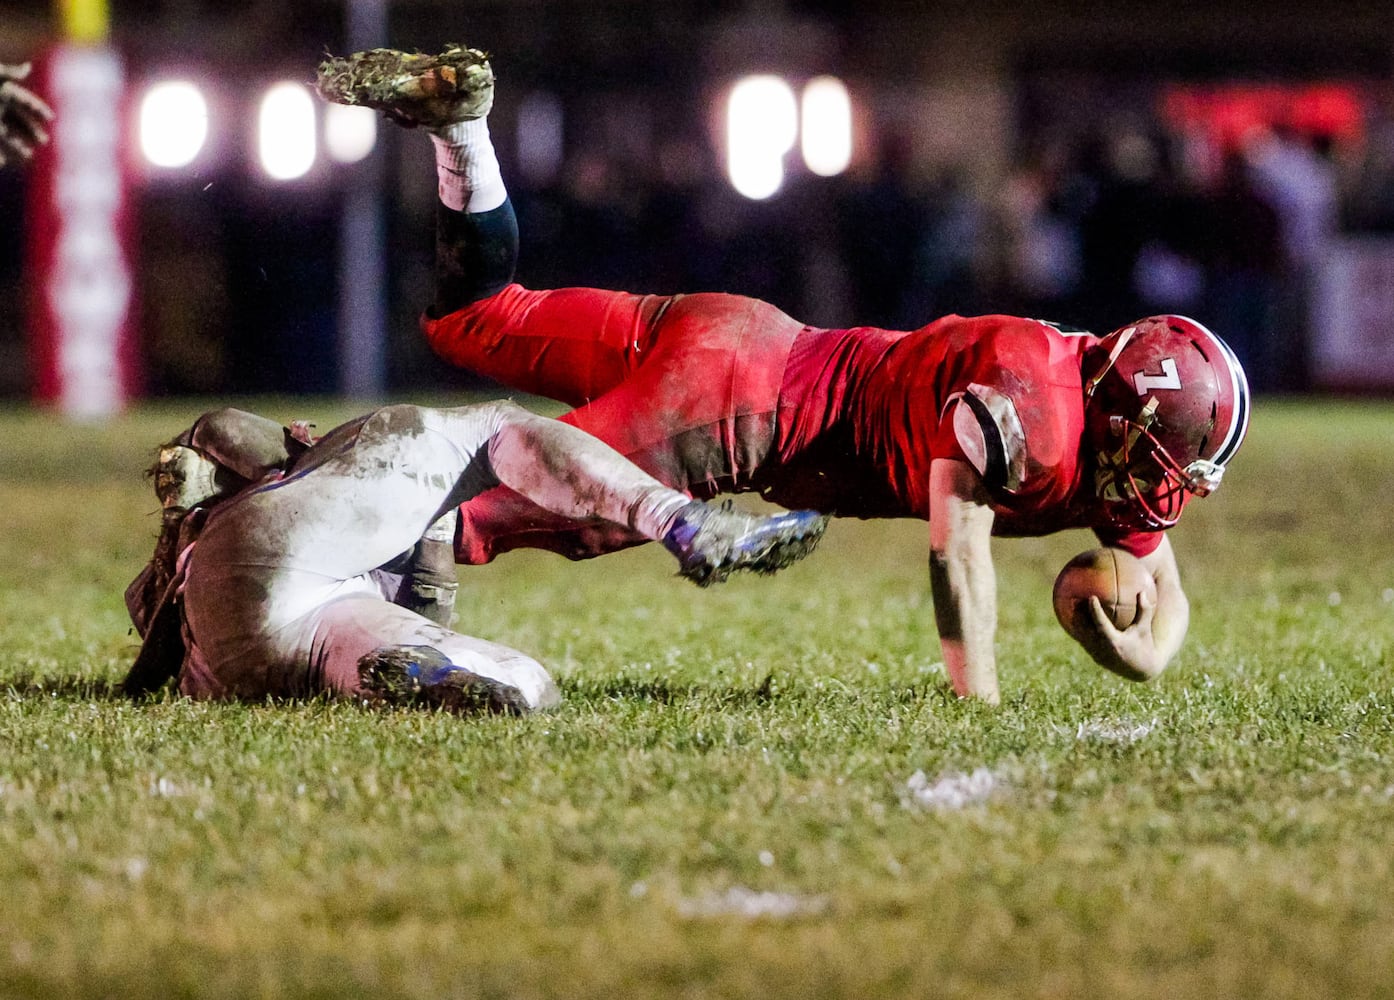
950	791
1119	731
738	901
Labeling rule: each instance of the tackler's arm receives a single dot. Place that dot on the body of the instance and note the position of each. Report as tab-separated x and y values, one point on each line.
24	116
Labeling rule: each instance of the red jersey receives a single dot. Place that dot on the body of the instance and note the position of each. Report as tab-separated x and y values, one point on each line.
715	393
1000	392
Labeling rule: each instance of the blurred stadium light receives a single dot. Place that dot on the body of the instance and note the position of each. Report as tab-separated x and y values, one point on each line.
826	122
286	132
761	126
173	124
350	133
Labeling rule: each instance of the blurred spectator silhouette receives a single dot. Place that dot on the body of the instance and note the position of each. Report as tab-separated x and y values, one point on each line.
1242	250
1038	208
1123	217
883	224
1299	181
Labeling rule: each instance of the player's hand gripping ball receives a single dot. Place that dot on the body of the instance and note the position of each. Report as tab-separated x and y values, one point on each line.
1118	579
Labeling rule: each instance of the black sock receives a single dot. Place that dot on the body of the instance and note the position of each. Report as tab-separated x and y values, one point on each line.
475	255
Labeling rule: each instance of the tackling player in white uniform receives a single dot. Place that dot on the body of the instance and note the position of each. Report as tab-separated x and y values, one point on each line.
289	568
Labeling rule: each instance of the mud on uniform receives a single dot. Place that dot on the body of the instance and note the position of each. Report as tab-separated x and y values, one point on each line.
722	393
285	586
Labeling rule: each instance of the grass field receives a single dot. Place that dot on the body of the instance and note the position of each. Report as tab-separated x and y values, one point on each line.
762	790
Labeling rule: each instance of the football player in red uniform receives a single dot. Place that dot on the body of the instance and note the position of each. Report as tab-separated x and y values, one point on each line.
982	426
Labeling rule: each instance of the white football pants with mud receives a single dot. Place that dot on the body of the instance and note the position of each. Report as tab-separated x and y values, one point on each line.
279	598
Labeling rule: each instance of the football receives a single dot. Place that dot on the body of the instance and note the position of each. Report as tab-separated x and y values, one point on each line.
1117	578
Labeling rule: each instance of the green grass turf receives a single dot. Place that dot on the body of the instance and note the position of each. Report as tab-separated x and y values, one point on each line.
1225	831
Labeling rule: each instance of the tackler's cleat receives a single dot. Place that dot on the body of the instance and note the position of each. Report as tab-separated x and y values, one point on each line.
713	542
422	675
412	88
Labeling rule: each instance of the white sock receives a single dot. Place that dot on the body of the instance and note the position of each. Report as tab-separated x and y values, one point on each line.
654	515
467	168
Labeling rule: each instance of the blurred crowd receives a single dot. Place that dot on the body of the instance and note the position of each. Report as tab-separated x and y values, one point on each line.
1132	224
1091	230
1086	227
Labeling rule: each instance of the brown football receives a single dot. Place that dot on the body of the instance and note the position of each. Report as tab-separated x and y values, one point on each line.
1117	578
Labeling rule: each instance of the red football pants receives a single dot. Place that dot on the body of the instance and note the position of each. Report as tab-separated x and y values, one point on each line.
686	387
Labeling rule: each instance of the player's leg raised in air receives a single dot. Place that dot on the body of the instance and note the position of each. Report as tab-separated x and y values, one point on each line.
686	387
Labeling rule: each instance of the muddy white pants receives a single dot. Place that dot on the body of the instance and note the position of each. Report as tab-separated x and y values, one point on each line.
279	598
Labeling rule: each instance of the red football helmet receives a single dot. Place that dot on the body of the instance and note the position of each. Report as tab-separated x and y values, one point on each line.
1166	405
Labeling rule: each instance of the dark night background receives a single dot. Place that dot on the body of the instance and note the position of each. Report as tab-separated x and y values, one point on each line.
1090	165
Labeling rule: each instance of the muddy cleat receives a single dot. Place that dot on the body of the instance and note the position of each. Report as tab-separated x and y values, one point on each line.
422	675
713	542
412	88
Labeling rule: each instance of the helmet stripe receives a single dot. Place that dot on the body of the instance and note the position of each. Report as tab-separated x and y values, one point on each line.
1239	424
1239	388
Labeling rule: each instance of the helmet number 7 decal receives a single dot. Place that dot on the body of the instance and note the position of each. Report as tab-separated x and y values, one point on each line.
1168	379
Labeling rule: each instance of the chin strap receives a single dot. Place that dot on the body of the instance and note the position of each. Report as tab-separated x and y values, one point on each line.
1124	337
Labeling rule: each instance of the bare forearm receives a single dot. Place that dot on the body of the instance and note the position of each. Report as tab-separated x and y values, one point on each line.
962	579
1172	620
965	605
